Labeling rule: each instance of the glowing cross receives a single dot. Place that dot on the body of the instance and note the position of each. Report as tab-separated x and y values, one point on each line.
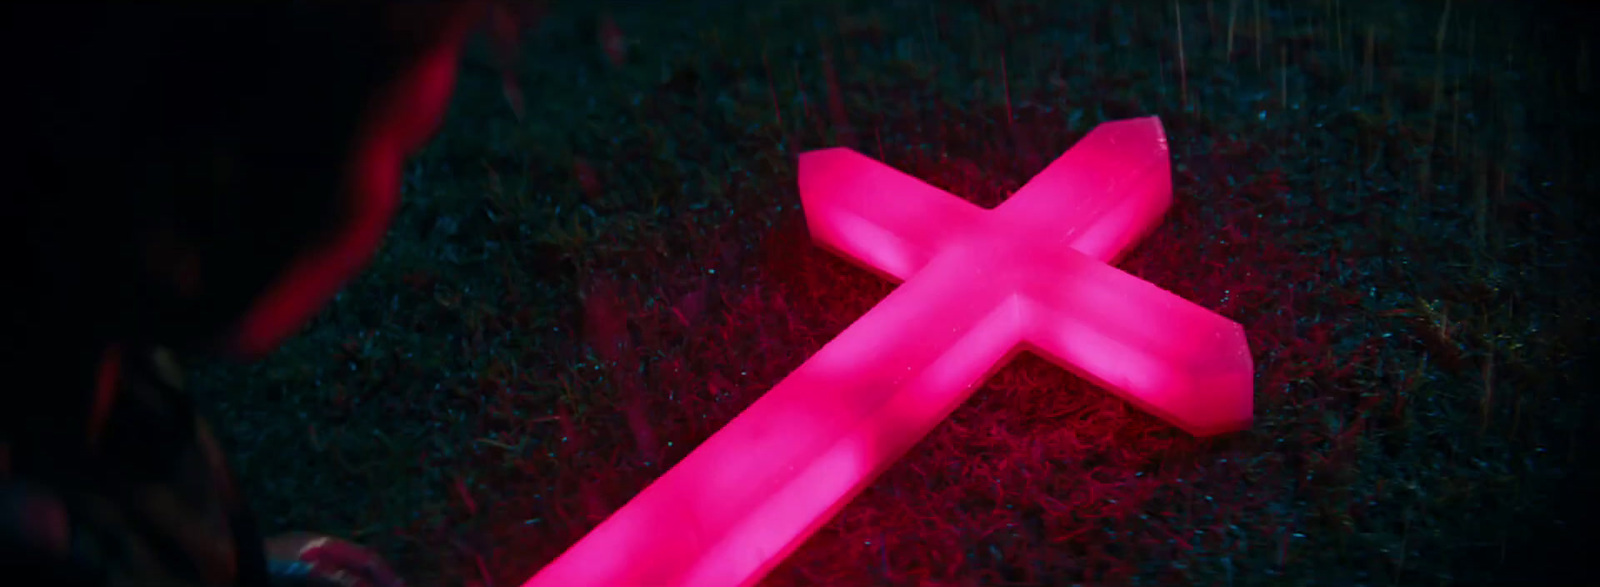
979	287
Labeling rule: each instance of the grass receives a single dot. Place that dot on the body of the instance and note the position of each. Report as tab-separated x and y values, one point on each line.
1386	197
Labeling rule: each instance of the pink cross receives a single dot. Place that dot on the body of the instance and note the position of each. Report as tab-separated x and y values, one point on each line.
979	287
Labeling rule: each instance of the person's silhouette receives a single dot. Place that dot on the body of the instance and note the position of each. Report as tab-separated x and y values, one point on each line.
184	176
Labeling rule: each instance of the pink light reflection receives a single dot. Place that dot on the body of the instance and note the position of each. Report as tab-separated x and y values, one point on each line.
978	287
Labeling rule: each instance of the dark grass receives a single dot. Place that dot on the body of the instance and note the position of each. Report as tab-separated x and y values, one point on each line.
571	303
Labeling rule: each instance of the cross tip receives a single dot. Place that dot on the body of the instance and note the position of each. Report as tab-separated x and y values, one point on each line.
1149	124
1154	121
1232	416
1220	428
817	155
822	167
1233	412
1220	403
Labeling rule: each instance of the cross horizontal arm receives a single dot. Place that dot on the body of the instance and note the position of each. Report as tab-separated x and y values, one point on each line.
1167	355
875	215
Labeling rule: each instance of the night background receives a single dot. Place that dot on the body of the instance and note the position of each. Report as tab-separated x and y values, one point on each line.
1391	198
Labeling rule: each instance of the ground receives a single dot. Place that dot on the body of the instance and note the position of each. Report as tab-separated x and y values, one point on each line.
1389	197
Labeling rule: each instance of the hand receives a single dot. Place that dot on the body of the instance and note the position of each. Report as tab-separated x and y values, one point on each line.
314	560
